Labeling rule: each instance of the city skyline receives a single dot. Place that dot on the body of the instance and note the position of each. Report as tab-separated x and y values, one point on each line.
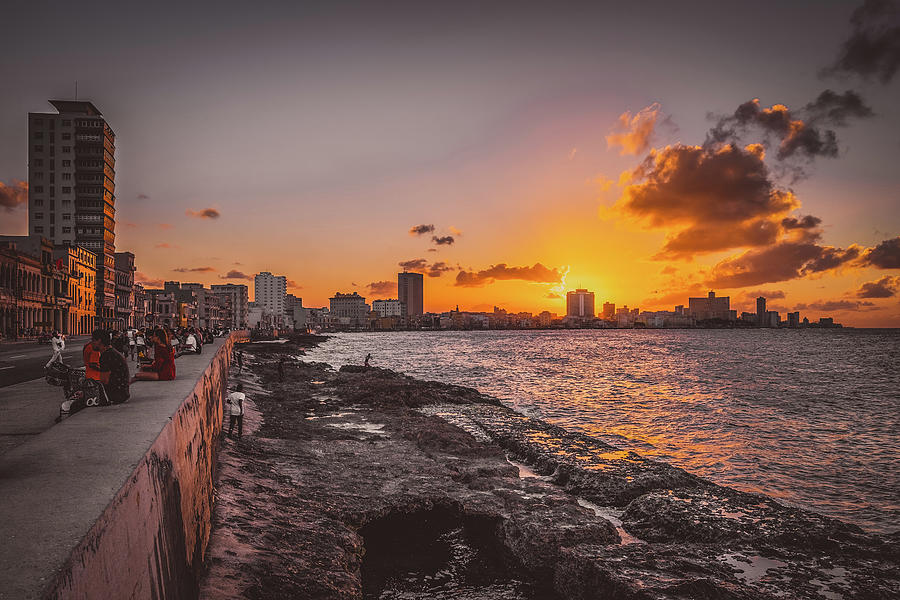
506	190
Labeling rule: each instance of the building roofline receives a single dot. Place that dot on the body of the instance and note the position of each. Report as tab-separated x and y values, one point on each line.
76	107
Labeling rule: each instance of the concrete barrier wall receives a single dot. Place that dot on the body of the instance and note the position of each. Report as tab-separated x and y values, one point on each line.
150	540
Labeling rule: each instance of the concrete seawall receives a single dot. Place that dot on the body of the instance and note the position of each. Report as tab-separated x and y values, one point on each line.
116	502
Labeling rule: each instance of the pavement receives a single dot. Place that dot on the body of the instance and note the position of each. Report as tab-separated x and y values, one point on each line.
56	479
25	361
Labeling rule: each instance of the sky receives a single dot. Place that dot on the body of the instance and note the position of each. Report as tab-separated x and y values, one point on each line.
511	151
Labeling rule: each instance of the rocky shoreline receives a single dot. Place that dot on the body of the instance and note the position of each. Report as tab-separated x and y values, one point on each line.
364	483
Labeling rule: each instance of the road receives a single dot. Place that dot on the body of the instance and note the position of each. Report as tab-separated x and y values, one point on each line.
25	361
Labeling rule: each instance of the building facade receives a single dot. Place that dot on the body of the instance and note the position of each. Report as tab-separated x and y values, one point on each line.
124	290
82	271
410	291
710	307
349	309
580	304
235	298
268	292
71	191
388	308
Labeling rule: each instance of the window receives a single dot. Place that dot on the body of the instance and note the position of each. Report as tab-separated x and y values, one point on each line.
66	190
39	162
39	148
67	217
67	202
38	229
67	230
39	175
67	136
67	163
67	176
38	189
38	215
67	149
38	202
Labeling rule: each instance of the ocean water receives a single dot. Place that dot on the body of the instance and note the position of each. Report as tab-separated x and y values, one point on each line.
811	417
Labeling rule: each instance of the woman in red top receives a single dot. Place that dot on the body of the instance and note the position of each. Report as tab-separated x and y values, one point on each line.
163	366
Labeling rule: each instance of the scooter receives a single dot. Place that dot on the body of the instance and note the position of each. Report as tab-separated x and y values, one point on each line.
79	391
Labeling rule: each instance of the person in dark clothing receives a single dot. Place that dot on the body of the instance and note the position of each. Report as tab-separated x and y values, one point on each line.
240	360
368	358
281	369
113	368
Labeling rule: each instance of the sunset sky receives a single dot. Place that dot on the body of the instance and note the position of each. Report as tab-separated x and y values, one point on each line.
646	153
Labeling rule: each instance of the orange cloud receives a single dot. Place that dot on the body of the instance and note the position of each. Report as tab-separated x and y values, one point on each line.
537	273
632	133
146	280
14	195
206	213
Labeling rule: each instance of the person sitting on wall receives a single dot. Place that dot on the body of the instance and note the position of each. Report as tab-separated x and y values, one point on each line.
91	361
113	368
163	366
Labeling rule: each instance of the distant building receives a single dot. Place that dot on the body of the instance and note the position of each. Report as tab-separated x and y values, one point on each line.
545	319
349	309
388	308
761	312
269	291
82	269
580	304
235	298
410	293
710	307
773	319
125	269
793	319
609	310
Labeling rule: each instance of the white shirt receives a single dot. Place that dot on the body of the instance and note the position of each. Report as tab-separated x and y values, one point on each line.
236	399
58	344
140	340
191	341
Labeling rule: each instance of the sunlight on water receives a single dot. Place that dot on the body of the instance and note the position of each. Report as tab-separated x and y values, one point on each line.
810	417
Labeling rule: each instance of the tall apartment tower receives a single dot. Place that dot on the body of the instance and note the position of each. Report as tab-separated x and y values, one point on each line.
237	299
71	189
580	303
761	312
409	290
269	291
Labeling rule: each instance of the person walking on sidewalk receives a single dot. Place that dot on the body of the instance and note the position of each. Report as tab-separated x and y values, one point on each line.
57	344
235	405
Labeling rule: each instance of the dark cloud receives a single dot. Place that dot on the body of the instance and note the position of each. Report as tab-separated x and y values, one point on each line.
382	288
782	261
807	222
446	240
836	109
194	269
235	274
538	273
802	133
770	294
886	287
420	265
206	213
717	199
873	48
14	195
885	255
421	229
835	305
143	197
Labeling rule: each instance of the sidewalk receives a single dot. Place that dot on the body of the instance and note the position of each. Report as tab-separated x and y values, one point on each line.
57	480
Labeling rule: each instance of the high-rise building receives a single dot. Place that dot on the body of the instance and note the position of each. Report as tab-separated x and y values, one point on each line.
710	307
410	293
268	292
236	300
580	303
71	189
761	318
609	310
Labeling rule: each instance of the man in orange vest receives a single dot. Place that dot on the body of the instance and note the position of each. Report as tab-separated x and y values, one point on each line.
91	361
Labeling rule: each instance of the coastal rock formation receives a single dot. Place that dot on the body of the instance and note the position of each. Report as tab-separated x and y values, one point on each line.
365	483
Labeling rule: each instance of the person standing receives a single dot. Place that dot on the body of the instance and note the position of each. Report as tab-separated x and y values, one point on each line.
240	360
57	344
281	369
131	342
368	358
235	405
